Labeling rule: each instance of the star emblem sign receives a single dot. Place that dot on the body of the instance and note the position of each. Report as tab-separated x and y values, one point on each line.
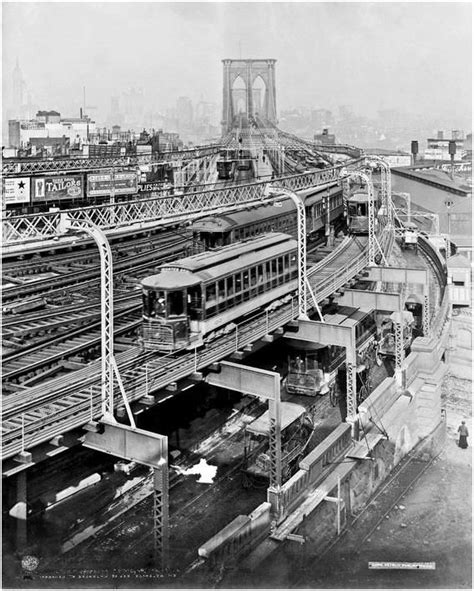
21	185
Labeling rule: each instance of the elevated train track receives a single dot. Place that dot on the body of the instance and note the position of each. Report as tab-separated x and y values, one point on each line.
160	209
42	412
22	166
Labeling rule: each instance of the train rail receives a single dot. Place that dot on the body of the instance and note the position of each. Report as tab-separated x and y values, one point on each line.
136	262
28	362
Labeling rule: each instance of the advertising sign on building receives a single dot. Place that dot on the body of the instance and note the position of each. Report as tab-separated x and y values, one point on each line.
58	187
17	190
149	187
124	183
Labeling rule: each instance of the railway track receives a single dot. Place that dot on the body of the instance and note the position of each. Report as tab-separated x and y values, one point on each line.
29	362
80	400
68	279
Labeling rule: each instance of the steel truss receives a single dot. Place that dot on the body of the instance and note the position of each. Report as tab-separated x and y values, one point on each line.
84	164
159	209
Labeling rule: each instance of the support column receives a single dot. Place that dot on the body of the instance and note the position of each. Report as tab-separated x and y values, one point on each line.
399	351
21	511
426	313
351	389
226	99
274	407
249	89
161	515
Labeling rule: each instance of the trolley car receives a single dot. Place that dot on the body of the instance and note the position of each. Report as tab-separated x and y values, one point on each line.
409	236
214	231
386	334
297	429
199	297
358	213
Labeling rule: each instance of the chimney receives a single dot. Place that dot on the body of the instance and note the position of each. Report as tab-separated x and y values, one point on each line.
440	135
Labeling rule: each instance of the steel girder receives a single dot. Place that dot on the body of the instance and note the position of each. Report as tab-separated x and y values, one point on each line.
85	164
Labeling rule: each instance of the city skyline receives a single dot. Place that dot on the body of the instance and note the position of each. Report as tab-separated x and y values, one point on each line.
430	52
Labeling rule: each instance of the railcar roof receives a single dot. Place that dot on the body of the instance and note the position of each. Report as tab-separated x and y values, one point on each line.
205	260
171	280
290	412
176	275
264	211
359	197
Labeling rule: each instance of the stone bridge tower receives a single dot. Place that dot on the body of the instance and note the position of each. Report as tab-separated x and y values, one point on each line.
249	71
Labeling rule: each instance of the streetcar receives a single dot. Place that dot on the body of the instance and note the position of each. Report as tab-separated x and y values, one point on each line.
219	230
358	213
409	236
197	298
313	372
386	334
306	375
296	427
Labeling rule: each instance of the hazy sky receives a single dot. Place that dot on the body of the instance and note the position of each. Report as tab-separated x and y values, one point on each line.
410	56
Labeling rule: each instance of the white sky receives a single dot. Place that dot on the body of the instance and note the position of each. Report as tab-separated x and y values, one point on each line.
415	57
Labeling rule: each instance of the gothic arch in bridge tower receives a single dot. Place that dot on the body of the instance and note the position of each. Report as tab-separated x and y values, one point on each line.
254	74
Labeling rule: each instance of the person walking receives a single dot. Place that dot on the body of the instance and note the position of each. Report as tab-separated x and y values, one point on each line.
463	434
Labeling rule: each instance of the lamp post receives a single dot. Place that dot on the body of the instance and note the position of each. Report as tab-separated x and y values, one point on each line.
109	365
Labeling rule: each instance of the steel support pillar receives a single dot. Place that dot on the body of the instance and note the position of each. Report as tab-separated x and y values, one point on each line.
274	407
399	351
426	314
161	515
149	449
21	511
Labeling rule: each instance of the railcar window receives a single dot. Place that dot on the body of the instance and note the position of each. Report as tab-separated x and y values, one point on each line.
221	287
230	286
159	303
280	265
176	303
238	282
246	280
260	274
268	270
194	303
253	276
211	293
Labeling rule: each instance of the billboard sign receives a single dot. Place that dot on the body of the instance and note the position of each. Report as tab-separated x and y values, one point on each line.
17	190
124	183
58	187
152	186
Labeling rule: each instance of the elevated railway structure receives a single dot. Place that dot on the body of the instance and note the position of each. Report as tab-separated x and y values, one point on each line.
36	415
161	209
19	167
